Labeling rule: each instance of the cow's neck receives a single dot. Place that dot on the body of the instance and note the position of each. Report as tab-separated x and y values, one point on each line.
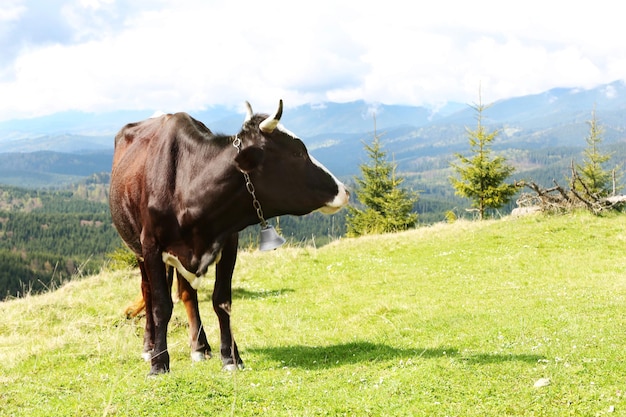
250	187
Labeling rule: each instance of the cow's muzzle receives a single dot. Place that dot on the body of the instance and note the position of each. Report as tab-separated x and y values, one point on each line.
341	200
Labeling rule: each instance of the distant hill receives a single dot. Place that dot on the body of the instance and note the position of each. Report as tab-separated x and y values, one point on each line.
418	138
51	169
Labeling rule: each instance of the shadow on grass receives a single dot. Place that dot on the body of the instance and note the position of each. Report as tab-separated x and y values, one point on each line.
242	293
315	357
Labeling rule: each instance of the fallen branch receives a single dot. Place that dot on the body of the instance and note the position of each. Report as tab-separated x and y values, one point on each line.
559	199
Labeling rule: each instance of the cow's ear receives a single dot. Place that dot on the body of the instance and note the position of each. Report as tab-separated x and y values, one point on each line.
248	159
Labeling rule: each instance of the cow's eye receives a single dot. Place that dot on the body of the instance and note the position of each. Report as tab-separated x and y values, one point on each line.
298	154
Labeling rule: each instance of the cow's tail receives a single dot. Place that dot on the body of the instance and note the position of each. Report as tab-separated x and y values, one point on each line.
135	308
139	305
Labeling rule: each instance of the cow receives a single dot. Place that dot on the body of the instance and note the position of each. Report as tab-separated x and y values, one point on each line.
180	194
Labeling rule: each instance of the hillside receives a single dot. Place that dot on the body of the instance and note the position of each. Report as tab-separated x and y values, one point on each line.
452	319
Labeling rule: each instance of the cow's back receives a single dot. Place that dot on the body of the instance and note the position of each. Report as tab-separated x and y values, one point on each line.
133	145
134	139
145	164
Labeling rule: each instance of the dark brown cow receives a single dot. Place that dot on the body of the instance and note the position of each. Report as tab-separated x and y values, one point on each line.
179	198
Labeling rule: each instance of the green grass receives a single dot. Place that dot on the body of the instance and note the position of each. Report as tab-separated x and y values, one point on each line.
448	320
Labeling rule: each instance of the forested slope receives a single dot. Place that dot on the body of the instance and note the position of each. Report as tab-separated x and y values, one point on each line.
51	236
46	237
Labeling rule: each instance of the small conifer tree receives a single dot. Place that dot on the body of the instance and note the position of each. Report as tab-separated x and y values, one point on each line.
481	176
593	179
386	206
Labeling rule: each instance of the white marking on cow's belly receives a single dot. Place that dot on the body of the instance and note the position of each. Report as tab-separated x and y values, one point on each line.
195	281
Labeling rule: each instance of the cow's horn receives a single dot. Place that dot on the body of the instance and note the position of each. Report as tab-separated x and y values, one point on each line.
249	113
268	125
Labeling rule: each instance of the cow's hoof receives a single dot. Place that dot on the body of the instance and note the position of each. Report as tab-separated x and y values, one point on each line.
231	367
158	370
200	356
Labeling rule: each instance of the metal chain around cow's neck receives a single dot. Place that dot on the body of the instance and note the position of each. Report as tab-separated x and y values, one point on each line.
250	187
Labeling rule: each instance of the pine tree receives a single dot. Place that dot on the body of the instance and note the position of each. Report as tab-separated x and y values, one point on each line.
593	178
386	207
481	176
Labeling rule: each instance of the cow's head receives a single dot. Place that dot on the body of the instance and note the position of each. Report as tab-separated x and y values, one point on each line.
287	180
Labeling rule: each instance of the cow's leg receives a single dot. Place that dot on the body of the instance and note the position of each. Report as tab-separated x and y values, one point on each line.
200	348
148	336
222	299
161	308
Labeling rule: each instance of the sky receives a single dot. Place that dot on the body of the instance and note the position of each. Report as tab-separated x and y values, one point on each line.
189	55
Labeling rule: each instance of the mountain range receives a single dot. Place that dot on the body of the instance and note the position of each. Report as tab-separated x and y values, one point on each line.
58	148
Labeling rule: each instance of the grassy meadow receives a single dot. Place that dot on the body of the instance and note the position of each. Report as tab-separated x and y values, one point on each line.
461	319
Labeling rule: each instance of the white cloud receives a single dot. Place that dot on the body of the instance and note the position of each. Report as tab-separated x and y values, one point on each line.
106	54
11	11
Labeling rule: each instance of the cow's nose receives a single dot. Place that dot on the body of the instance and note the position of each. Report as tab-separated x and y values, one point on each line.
340	200
342	197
